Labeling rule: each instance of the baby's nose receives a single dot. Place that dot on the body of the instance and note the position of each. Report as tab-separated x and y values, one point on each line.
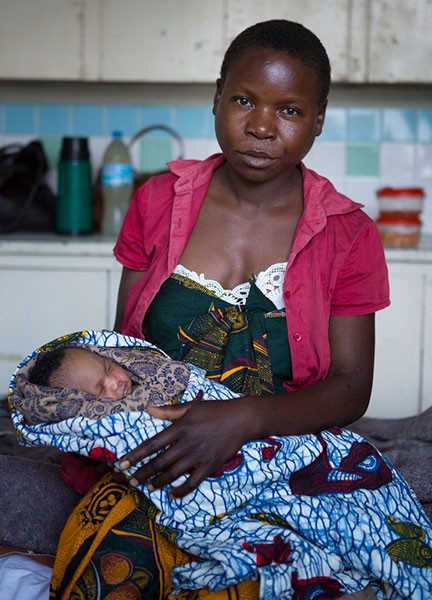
112	381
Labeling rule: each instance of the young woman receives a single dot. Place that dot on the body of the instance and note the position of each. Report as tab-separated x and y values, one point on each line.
254	268
300	343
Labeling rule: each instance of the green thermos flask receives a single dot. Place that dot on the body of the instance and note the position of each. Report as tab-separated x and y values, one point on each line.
74	213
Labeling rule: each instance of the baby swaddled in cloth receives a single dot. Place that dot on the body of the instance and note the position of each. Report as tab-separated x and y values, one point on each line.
325	510
72	380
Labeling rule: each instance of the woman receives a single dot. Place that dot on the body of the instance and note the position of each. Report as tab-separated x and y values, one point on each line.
255	212
257	270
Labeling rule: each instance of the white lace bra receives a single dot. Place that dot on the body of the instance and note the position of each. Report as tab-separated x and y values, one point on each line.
270	282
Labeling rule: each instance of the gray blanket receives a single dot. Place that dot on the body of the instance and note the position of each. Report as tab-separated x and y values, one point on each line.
35	502
407	443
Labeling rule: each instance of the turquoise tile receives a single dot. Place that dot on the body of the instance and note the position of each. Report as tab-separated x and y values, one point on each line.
123	118
2	118
87	119
52	146
424	126
399	125
364	124
156	115
335	125
155	152
363	160
54	119
20	118
194	121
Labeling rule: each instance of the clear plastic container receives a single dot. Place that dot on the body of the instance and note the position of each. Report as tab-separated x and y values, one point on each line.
400	200
398	231
117	185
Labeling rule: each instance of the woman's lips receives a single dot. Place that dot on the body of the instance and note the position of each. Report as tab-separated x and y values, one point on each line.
258	160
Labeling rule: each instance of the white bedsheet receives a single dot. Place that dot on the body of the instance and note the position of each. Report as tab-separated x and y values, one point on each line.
22	578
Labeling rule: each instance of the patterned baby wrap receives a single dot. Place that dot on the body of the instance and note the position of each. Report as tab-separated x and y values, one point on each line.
308	516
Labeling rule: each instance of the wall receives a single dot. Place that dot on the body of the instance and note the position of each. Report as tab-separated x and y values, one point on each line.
373	136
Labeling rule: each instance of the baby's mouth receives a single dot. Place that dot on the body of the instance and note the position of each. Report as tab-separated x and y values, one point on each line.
125	389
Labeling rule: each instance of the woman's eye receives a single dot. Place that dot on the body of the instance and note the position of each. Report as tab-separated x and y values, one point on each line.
244	102
289	111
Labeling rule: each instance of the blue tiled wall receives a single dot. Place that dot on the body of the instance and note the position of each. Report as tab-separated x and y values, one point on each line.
91	119
361	148
351	124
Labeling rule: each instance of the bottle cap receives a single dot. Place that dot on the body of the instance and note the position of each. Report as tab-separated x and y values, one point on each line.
74	148
117	133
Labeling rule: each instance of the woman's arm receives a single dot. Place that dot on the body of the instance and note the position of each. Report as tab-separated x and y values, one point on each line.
128	279
204	435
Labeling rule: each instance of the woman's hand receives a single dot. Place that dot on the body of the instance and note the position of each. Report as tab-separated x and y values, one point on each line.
202	437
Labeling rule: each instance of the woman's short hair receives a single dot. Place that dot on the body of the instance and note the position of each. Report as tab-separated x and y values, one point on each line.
283	36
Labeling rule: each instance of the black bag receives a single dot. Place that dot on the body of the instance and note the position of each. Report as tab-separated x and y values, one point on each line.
26	201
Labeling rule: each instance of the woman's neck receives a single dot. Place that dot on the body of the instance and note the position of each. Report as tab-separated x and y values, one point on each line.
283	191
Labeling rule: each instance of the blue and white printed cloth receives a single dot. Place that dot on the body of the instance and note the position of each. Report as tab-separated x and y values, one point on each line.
322	512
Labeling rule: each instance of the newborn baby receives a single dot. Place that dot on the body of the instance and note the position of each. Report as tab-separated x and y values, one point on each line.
82	369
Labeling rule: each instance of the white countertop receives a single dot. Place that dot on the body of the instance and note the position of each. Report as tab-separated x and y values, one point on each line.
53	244
97	245
421	254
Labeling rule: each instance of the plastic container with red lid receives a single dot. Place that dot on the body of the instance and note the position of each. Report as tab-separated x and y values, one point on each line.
399	231
400	200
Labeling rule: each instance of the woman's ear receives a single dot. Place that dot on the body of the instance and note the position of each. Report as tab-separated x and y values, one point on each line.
217	95
321	118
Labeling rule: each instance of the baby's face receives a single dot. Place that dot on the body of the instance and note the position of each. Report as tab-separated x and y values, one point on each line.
97	375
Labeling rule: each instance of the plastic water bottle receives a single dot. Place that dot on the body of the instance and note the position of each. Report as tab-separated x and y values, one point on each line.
117	185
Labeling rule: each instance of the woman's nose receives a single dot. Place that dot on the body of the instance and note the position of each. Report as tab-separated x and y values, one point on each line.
261	123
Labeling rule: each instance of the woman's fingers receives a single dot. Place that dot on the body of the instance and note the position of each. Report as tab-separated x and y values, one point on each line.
168	413
195	478
194	445
171	474
162	463
155	444
159	441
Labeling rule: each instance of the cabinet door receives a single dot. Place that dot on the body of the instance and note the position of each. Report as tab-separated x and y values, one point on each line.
330	21
398	353
114	276
48	39
164	41
400	41
37	306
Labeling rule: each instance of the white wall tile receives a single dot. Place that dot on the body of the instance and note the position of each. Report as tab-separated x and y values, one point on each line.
327	158
397	163
424	161
363	190
200	148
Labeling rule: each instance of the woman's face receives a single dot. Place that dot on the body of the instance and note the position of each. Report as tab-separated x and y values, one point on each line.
94	374
267	113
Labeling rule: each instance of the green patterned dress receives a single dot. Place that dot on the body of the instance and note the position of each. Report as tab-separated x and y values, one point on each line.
244	346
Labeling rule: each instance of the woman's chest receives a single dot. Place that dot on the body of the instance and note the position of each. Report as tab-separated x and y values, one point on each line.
230	248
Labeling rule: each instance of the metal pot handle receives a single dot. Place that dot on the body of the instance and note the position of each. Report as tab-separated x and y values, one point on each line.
172	132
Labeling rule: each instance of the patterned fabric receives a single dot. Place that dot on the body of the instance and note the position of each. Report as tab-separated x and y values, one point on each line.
312	516
156	378
245	347
112	549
